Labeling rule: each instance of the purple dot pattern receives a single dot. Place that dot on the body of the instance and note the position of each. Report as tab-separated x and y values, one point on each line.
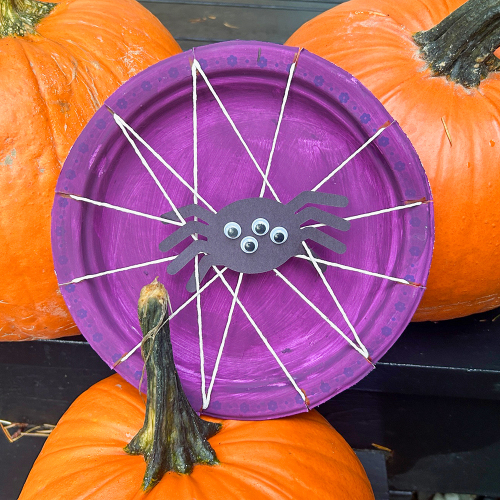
318	81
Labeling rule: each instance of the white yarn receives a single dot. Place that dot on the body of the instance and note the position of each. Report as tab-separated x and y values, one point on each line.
280	118
122	209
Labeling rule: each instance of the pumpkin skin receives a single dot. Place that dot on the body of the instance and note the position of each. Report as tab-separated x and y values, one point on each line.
51	83
372	39
300	457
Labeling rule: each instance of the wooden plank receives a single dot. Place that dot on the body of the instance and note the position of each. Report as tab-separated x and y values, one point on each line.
437	444
16	460
374	464
315	5
201	23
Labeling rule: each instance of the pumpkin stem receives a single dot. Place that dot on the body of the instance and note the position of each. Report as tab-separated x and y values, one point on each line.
461	46
173	437
20	17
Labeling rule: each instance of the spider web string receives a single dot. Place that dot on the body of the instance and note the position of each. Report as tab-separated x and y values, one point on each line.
118	208
197	197
120	122
262	336
205	398
124	126
223	342
361	349
313	306
231	122
378	212
119	270
387	210
266	182
197	67
278	126
349	158
359	270
364	271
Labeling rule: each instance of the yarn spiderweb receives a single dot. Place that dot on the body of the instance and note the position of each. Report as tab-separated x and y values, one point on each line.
219	124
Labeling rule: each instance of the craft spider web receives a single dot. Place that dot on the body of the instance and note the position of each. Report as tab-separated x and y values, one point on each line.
230	122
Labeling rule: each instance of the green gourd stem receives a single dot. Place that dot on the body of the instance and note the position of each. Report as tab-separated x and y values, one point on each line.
21	17
173	438
461	46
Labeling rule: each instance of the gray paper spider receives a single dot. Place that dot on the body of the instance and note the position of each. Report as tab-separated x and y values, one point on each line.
254	235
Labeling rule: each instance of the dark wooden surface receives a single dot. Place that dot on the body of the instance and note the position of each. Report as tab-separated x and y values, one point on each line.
193	23
434	399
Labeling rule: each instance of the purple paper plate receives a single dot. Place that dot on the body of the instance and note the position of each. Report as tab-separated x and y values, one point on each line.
327	117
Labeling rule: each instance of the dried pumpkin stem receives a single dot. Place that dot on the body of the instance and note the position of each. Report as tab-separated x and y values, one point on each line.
461	46
174	437
20	17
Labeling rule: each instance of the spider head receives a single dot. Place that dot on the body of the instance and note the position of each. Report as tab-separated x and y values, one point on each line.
254	235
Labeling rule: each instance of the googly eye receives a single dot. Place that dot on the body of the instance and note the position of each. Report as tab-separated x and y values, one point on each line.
260	227
249	244
279	235
232	230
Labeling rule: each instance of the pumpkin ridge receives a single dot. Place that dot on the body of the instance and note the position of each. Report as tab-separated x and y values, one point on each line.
105	65
128	395
55	478
121	471
108	479
127	392
87	445
236	472
80	75
46	107
320	454
81	27
112	429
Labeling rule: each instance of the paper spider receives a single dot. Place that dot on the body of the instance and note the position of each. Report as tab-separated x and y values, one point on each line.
254	235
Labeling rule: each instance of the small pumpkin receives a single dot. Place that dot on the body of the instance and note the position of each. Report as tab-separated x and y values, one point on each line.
58	63
431	63
87	455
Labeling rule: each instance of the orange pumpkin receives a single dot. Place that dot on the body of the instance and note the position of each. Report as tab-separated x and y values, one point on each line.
95	450
445	94
57	66
300	457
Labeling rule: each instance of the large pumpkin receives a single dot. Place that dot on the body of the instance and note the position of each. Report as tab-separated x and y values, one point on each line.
95	450
300	457
58	63
445	94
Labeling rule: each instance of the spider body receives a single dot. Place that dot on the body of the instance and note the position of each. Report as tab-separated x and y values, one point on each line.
253	235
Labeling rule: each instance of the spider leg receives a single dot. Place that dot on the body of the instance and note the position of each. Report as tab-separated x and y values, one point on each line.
317	198
190	211
311	233
186	255
323	218
204	265
181	234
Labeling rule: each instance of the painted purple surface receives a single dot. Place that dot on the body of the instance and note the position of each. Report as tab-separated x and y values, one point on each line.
329	114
